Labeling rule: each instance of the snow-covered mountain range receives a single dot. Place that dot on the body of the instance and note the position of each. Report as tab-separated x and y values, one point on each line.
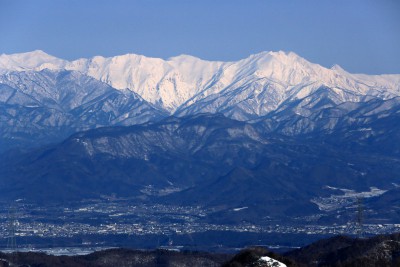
47	98
185	85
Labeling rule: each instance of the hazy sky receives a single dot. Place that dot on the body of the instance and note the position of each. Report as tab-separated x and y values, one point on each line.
362	36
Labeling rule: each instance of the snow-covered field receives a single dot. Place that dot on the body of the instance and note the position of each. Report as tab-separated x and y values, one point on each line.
347	197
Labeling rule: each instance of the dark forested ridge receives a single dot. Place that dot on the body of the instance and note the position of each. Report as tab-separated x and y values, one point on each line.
382	250
338	251
116	257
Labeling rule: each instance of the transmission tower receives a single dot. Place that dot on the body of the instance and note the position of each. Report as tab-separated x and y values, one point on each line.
12	228
360	217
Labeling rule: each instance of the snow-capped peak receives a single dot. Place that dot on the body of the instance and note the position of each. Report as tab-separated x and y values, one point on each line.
286	67
28	61
336	67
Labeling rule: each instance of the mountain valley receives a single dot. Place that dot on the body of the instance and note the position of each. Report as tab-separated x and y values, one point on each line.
267	140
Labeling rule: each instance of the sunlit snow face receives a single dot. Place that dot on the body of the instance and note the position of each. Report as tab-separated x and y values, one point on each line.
185	83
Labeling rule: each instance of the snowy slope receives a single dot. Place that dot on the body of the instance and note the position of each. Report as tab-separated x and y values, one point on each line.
166	84
270	262
243	89
35	60
44	106
262	83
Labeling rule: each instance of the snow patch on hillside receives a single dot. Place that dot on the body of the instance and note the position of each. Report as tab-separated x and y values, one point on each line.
271	262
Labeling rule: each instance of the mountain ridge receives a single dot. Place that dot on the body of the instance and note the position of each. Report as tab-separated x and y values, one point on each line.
291	95
208	160
47	106
179	82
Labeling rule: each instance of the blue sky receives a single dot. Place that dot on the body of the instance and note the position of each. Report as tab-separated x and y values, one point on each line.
363	36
